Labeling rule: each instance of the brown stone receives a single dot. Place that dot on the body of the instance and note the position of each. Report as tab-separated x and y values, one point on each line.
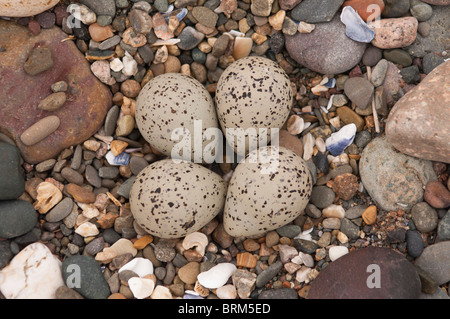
353	276
189	272
99	33
221	237
291	142
80	194
370	215
88	99
346	186
437	195
347	116
418	124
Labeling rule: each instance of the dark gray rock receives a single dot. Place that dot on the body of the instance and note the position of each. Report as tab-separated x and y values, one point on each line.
443	231
435	260
410	74
17	217
282	293
355	212
314	11
267	274
189	38
101	7
289	231
60	211
12	183
92	282
5	253
372	55
327	49
431	61
125	188
349	228
395	8
322	196
306	246
414	243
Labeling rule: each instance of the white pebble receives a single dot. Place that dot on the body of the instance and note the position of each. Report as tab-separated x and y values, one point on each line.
226	292
130	66
140	266
308	146
336	252
141	287
161	292
302	274
82	13
116	65
308	260
217	276
87	229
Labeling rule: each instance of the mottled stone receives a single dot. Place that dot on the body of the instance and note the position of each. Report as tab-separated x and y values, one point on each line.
395	32
87	99
413	127
352	276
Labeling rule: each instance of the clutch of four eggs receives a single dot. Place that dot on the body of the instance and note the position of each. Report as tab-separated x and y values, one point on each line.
176	196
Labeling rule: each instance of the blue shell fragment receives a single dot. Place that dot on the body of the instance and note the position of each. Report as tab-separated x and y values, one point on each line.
355	27
339	141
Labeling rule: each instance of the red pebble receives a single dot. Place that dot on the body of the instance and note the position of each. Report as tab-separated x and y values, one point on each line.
34	27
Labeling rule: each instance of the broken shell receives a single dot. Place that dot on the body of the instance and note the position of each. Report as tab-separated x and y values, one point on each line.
89	210
302	274
141	287
217	276
307	259
226	292
161	292
141	266
200	290
196	240
295	124
320	143
48	195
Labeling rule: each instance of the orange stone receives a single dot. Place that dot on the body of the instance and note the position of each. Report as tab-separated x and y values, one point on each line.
107	221
367	9
142	242
117	295
370	215
99	33
246	260
80	194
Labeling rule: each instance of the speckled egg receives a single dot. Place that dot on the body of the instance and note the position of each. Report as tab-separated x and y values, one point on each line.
171	200
266	193
253	92
166	110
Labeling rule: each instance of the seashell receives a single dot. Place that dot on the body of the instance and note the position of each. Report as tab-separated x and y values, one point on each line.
295	124
217	276
297	260
307	259
226	292
339	141
121	160
331	83
141	287
106	256
336	252
196	240
320	143
355	27
318	89
191	295
48	195
81	13
246	260
141	266
308	146
242	47
161	292
200	290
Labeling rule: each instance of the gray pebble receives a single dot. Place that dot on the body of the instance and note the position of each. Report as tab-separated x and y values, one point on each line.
92	176
349	228
77	156
45	165
137	164
72	176
108	172
110	236
95	246
111	120
60	211
266	275
322	196
125	188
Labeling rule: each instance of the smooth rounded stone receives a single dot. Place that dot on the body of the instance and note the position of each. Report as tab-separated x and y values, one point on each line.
111	120
430	61
424	217
72	176
391	182
414	243
80	194
217	276
84	111
26	8
419	106
10	171
17	217
205	16
398	277
337	252
379	73
137	164
95	246
306	246
420	10
92	283
60	211
327	50
109	172
5	253
359	91
34	273
349	228
282	293
40	130
395	33
289	231
314	11
443	231
267	274
66	293
411	74
348	116
53	102
322	196
101	7
189	272
331	223
362	139
110	236
355	211
435	260
371	56
321	162
312	211
398	56
92	176
395	8
45	165
189	38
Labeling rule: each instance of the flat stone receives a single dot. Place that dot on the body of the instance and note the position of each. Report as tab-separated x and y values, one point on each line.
405	126
34	273
443	231
398	277
101	7
205	16
314	11
40	60
13	183
92	283
189	38
322	196
398	56
87	99
261	8
60	211
17	217
435	260
391	182
327	49
267	274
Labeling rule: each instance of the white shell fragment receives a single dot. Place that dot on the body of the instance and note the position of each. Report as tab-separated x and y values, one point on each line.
141	287
217	276
339	141
196	240
141	266
355	27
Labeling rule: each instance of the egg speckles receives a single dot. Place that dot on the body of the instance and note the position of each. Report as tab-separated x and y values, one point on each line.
257	202
170	104
253	92
171	200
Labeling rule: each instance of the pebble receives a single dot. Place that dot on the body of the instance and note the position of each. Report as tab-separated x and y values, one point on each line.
80	194
39	61
398	56
420	10
266	275
18	217
350	229
72	176
99	33
205	16
289	231
414	243
60	211
322	196
282	293
345	186
315	11
217	276
425	217
435	260
443	231
37	280
431	61
101	7
395	33
359	91
261	8
125	125
355	211
10	170
336	252
140	21
437	195
369	215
